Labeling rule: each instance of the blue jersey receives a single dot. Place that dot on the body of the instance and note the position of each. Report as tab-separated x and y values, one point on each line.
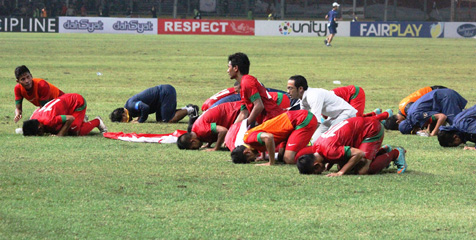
161	99
446	101
465	124
332	14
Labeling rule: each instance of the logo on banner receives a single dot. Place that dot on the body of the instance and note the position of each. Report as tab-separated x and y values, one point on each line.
467	30
14	24
436	30
84	24
285	28
133	25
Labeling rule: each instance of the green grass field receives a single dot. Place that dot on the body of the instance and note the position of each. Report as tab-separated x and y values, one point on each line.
96	188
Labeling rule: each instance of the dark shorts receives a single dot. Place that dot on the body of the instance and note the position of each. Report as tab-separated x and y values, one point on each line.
332	29
168	104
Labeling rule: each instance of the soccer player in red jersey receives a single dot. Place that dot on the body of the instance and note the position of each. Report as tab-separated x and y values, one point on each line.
355	146
257	104
62	116
354	95
210	127
35	90
289	131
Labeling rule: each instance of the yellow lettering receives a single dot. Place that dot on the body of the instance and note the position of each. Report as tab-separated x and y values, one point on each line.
408	30
394	28
417	29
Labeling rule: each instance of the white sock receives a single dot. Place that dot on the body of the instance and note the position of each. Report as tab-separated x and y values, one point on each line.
189	109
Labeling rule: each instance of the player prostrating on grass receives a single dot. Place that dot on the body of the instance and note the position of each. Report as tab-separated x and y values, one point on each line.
35	90
354	95
392	122
320	102
433	110
210	127
257	104
289	131
161	100
62	116
461	131
354	145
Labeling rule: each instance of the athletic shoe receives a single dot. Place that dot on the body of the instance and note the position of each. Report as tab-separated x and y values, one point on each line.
400	161
194	112
328	44
390	112
387	148
86	118
102	127
377	111
325	41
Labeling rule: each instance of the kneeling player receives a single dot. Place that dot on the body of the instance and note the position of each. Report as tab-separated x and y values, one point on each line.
211	126
462	130
61	116
292	128
354	145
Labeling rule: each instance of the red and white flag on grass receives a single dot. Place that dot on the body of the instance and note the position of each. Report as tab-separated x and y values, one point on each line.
145	137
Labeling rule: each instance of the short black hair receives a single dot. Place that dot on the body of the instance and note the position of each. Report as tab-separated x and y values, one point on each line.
446	138
183	142
437	87
20	70
116	115
241	60
391	123
237	155
299	81
305	164
30	127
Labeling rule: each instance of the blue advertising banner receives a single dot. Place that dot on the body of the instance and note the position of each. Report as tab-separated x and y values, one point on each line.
397	29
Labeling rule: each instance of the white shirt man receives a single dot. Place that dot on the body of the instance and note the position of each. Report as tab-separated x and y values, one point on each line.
320	102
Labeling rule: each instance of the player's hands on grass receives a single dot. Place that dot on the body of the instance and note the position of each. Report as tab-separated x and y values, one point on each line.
336	174
264	164
469	148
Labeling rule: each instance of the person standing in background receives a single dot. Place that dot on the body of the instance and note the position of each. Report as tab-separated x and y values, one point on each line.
332	25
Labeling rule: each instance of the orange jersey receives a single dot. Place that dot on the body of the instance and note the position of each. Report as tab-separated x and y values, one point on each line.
41	92
412	98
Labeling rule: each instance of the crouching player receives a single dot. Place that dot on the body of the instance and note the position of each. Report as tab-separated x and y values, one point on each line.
293	129
211	126
462	130
61	116
354	145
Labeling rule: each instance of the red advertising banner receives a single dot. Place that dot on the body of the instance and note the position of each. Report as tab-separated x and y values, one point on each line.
206	27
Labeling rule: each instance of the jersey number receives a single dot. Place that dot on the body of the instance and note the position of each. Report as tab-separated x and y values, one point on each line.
49	106
331	132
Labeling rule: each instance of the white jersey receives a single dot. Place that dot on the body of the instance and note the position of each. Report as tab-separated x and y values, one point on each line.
323	102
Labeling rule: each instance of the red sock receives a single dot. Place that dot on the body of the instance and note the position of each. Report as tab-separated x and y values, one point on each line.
382	161
370	114
87	127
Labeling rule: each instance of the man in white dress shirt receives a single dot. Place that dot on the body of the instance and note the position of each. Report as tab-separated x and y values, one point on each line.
321	103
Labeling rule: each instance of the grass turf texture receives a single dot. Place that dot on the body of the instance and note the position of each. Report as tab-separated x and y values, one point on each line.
91	187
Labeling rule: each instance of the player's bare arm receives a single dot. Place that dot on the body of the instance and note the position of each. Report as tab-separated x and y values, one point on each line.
220	138
440	120
268	140
64	130
243	115
258	107
18	112
356	156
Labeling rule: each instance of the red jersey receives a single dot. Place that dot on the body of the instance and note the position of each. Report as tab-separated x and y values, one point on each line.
217	96
334	145
53	114
40	93
354	95
251	89
281	126
281	99
222	115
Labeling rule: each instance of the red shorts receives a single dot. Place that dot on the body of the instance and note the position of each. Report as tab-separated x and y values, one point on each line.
78	114
300	138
